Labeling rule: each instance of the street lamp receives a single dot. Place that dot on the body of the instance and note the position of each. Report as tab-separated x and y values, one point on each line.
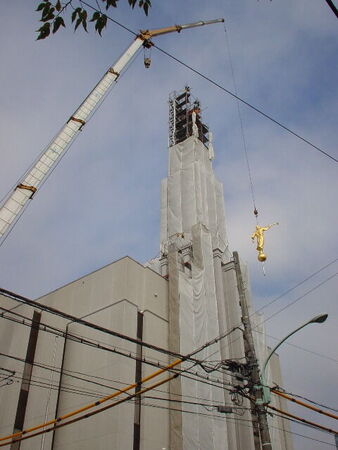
266	391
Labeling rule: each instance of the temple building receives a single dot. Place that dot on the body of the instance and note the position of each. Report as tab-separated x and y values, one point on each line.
112	329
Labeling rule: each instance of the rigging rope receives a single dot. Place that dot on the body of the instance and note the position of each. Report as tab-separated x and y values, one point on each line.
255	211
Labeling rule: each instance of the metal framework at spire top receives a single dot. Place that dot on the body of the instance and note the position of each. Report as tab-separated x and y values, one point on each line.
182	105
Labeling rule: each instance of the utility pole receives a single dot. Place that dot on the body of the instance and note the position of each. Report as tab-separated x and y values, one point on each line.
259	412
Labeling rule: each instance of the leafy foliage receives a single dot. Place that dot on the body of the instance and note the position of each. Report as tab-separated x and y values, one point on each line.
53	12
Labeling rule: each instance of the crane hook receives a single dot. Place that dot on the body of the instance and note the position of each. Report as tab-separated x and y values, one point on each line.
147	62
147	53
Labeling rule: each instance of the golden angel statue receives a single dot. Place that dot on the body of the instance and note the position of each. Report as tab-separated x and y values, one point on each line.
259	235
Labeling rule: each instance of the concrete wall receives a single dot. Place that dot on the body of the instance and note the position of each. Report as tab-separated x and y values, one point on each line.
110	297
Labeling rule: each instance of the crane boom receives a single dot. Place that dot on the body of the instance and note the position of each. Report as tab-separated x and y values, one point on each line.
18	199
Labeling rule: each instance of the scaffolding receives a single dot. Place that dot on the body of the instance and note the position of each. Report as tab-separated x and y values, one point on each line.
181	108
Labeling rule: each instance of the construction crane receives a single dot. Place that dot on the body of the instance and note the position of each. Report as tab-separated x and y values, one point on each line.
17	200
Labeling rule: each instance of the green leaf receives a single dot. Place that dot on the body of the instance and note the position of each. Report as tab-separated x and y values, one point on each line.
101	23
41	6
44	31
49	17
84	20
146	8
58	22
96	16
112	3
76	12
78	22
58	5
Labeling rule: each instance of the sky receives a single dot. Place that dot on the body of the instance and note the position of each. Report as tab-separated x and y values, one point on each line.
102	202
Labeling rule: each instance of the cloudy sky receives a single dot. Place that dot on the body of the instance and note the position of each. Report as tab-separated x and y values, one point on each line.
102	201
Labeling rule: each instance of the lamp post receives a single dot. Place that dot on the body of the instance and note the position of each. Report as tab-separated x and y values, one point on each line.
266	391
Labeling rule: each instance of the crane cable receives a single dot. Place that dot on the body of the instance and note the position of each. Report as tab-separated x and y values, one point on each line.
255	210
211	81
276	391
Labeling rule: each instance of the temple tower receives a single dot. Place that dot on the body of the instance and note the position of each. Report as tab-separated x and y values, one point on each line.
194	252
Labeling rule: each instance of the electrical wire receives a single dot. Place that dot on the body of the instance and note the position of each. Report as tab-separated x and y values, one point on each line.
35	304
332	7
38	306
71	318
192	376
289	304
296	285
307	399
26	321
15	437
168	408
80	321
56	423
222	88
207	405
329	358
259	111
313	424
237	420
299	298
292	399
128	354
35	380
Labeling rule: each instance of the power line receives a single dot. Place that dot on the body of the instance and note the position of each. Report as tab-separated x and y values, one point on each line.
297	420
299	298
333	7
56	422
128	399
312	401
227	91
235	419
70	373
297	285
329	358
290	304
307	422
125	353
38	305
20	436
246	103
71	318
207	405
306	405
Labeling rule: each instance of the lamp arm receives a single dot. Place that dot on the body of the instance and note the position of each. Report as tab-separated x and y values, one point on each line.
277	346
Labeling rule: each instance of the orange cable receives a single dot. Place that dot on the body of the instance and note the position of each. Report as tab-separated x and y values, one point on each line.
92	413
303	420
91	405
292	399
